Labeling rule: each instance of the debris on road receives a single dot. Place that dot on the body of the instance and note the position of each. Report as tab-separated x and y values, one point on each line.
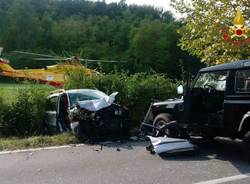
99	149
167	145
118	149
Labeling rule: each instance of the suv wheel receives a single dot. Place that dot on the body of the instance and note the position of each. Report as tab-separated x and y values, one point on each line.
246	145
162	121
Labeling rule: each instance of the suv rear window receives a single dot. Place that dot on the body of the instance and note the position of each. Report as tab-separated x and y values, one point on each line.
242	81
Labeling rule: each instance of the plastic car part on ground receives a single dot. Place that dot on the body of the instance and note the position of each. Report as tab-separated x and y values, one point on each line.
96	105
167	145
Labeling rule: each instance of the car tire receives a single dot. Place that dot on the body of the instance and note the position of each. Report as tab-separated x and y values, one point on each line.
59	128
85	131
47	130
79	133
161	121
246	145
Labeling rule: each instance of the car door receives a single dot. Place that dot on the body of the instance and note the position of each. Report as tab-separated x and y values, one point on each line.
51	112
63	107
204	105
237	103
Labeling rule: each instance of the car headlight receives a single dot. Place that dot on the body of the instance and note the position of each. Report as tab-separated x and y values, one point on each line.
118	112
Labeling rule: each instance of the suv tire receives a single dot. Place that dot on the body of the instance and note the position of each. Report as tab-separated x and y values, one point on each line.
246	145
161	121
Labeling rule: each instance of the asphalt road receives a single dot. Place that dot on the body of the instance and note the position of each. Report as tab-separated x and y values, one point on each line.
129	164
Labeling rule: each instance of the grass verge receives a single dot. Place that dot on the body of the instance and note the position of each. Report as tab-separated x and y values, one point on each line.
9	144
9	91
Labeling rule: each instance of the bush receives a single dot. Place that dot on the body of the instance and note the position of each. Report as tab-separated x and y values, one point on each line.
3	111
24	116
135	91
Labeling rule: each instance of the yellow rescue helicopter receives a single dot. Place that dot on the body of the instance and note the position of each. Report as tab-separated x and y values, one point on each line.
52	75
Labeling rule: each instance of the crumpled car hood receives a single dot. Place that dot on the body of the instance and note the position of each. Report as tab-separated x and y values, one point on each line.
96	105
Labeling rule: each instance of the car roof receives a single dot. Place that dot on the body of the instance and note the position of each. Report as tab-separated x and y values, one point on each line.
228	66
57	93
80	90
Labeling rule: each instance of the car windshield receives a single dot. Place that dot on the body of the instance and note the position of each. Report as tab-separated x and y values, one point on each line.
216	80
81	95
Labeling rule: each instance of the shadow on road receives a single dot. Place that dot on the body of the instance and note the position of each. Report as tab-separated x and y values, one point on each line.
125	142
220	149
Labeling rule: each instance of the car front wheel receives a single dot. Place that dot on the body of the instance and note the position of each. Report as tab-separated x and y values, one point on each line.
164	126
59	127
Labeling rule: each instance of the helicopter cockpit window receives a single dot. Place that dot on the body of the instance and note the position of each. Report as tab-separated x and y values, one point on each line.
242	81
216	80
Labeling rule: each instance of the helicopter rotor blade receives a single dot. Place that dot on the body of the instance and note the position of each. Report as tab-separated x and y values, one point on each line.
100	61
35	54
72	59
45	57
50	59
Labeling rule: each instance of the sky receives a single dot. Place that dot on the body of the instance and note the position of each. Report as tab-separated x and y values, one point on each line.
157	3
165	4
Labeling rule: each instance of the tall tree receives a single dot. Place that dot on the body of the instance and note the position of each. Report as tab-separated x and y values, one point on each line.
154	46
202	33
142	35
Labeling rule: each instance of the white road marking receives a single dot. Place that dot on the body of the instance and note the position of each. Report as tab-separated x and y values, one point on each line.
40	149
226	179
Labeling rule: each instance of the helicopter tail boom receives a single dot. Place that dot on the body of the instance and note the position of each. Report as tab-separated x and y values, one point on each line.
4	66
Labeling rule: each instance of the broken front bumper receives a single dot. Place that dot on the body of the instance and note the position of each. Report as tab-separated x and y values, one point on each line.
147	128
165	145
104	128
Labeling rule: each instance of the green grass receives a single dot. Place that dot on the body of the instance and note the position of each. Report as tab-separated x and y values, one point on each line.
8	144
9	91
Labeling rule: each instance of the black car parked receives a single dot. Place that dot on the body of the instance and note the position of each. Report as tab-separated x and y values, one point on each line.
217	104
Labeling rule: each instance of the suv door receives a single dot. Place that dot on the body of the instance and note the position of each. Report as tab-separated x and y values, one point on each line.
238	102
206	100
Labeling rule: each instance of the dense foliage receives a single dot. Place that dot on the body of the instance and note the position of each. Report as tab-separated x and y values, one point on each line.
143	36
25	115
135	91
202	34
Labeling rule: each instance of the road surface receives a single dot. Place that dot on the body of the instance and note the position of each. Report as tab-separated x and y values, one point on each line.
128	163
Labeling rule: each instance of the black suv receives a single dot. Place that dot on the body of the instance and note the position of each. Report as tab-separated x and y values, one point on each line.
216	104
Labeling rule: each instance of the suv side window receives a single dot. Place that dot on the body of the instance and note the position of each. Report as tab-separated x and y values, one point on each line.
242	81
217	80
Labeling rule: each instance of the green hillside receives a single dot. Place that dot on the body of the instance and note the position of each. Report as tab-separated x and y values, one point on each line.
143	36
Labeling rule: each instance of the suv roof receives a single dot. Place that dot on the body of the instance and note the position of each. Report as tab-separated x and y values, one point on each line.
228	66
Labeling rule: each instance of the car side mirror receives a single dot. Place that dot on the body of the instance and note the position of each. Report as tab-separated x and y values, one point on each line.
180	90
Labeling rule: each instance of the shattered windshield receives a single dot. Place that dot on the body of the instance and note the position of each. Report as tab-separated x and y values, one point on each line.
82	95
216	80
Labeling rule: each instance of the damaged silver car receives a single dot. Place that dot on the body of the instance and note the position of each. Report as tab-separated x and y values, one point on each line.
86	112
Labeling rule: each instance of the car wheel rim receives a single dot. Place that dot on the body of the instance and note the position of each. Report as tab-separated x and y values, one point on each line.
160	124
